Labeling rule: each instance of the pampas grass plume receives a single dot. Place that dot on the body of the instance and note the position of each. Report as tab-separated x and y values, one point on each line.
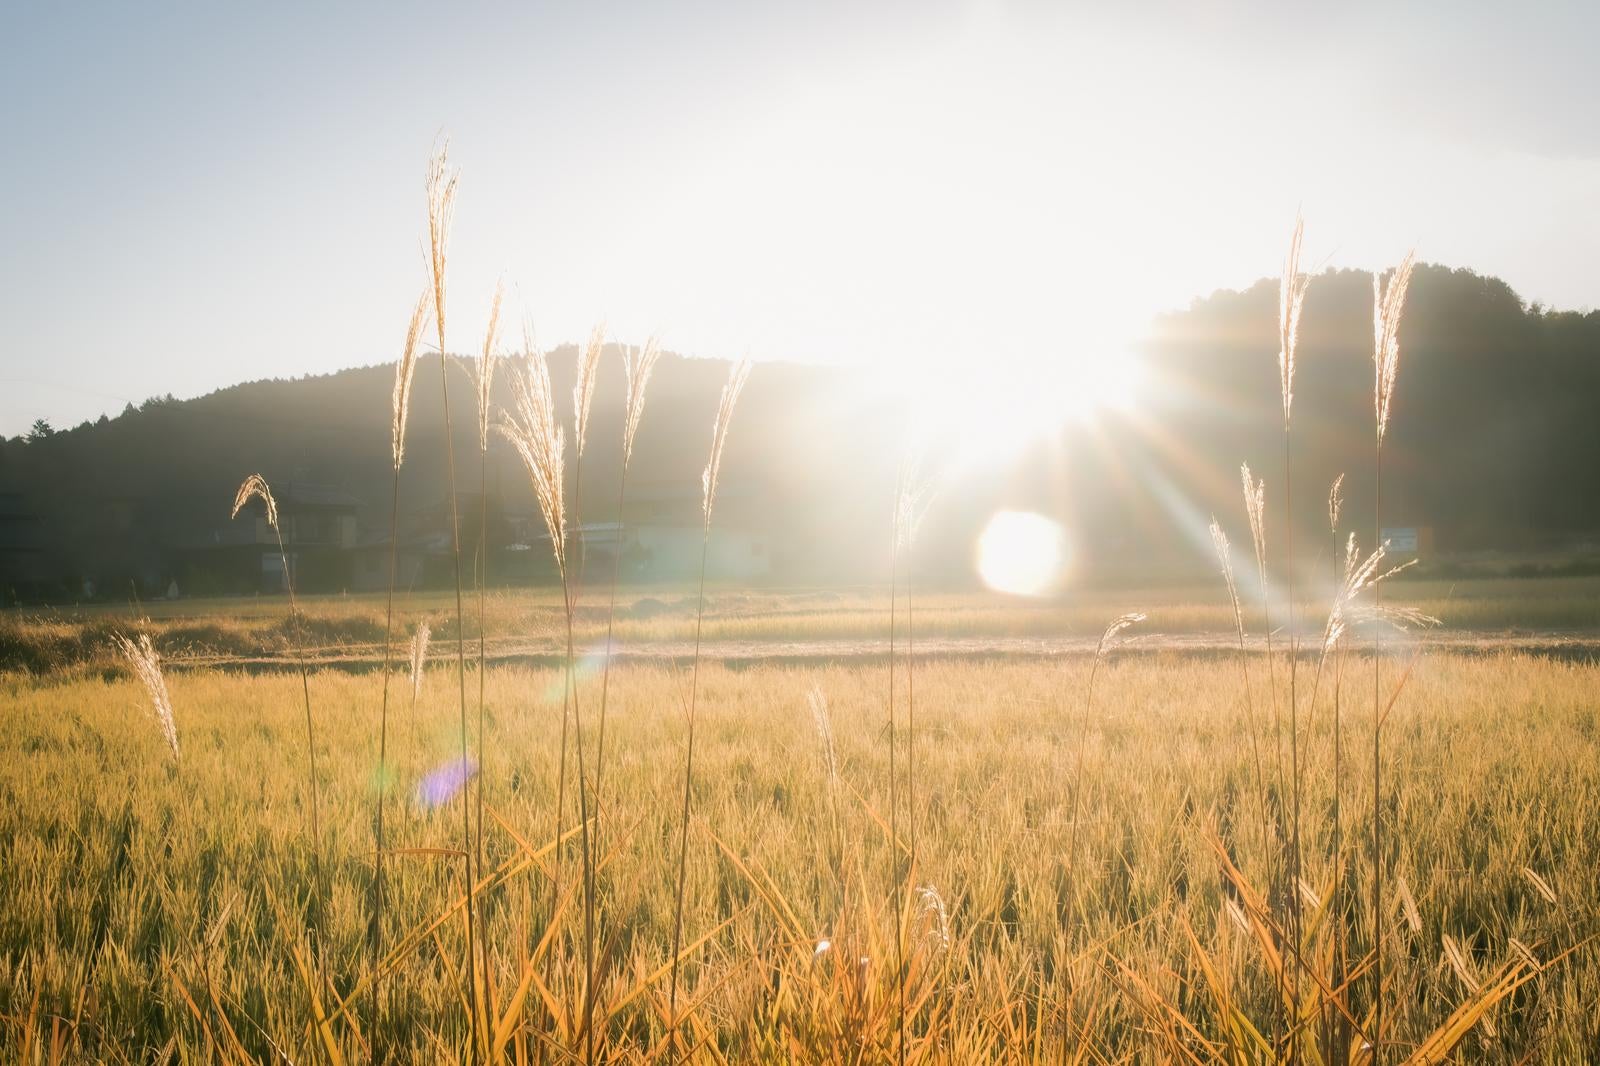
141	655
1255	506
637	365
1291	296
486	365
441	185
1388	301
737	375
404	371
256	486
419	656
1118	626
583	389
540	442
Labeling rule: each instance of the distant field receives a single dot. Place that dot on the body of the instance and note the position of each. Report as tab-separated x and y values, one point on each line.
351	627
183	923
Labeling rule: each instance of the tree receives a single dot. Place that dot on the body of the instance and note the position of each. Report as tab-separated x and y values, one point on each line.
41	430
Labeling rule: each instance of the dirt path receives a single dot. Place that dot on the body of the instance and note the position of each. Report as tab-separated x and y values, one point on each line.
1573	646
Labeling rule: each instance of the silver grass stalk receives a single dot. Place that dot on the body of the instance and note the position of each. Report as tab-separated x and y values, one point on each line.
583	389
1108	640
1291	296
737	375
1361	577
1335	507
587	373
441	185
1335	504
484	378
818	702
419	657
255	487
637	365
404	371
540	442
1255	508
822	719
1119	625
913	497
141	655
1388	301
1219	540
638	362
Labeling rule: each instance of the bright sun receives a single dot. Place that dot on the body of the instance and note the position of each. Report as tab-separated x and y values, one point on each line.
1021	553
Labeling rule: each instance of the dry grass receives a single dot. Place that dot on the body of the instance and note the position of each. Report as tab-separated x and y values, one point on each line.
1164	903
198	882
207	632
147	668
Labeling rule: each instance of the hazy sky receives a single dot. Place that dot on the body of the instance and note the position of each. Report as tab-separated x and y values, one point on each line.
195	195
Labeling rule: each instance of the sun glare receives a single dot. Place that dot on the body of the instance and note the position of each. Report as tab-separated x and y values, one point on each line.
1017	402
1021	553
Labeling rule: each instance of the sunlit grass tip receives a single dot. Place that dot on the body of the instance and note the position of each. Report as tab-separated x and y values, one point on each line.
484	376
255	487
441	187
1291	297
1388	301
540	442
141	655
638	362
404	371
583	388
419	656
738	373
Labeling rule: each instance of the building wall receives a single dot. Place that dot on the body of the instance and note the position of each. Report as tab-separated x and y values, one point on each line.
673	552
371	570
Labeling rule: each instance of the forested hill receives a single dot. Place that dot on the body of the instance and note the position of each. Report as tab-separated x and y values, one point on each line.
1495	441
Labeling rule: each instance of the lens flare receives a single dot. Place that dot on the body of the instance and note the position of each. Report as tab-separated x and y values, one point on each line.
439	786
382	779
589	664
1021	553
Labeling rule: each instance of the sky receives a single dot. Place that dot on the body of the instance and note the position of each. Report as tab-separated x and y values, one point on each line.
195	195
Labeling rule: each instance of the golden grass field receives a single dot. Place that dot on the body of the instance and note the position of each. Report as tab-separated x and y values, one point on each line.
1130	849
193	927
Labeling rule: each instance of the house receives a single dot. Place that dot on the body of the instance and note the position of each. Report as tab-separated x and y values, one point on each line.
1404	543
318	526
372	560
666	527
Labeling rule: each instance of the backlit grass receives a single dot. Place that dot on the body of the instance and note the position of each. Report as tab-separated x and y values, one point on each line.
132	887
